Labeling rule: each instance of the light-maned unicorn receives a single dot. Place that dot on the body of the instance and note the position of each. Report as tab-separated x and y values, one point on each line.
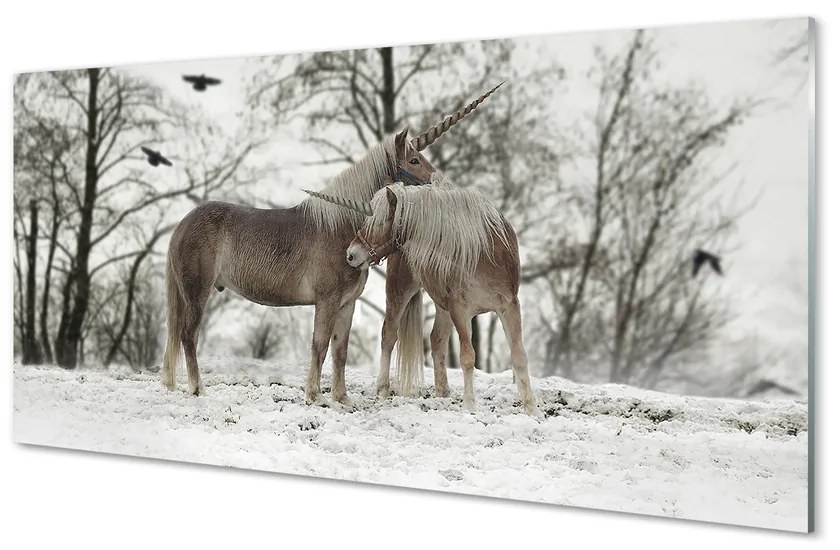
465	255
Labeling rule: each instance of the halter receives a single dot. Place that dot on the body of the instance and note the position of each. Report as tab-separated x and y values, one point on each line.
380	252
403	174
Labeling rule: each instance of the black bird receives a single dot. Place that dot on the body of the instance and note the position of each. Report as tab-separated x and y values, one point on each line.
155	158
701	257
200	82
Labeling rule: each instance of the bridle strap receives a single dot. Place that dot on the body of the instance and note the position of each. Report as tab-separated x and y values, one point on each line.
403	175
380	252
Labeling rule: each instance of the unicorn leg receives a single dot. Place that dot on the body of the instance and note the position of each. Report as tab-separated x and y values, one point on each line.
390	327
325	316
195	303
340	338
464	328
512	323
440	341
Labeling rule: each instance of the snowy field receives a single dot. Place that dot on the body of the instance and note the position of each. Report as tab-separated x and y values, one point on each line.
608	446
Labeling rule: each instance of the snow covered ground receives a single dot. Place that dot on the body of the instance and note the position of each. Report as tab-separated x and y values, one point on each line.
607	446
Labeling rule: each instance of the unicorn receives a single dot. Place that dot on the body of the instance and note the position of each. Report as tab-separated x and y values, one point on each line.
459	248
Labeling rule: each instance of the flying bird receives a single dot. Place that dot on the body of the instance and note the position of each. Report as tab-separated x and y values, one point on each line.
200	82
701	257
155	158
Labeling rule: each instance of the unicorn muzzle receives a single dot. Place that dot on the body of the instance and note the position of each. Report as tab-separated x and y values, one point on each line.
357	256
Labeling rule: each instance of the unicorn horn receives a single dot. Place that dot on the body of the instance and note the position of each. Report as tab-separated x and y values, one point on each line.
358	206
424	140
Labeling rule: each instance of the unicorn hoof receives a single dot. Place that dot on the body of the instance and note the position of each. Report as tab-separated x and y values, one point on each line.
532	410
442	392
344	406
311	396
342	399
319	401
536	414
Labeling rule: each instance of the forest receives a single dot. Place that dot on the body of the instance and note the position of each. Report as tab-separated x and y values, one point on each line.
612	175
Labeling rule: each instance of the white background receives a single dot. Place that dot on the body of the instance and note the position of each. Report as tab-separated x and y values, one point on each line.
75	499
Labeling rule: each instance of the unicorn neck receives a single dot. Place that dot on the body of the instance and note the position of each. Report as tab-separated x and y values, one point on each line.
358	182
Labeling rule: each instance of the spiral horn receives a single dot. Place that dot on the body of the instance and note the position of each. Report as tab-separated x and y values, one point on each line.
358	206
424	140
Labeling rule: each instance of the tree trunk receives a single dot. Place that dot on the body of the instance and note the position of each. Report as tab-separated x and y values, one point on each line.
67	350
129	307
45	295
616	372
601	183
625	306
31	353
387	94
66	298
19	305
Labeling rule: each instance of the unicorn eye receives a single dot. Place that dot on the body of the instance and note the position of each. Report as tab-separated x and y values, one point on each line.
414	161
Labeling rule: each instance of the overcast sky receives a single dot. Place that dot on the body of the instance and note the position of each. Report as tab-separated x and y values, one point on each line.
768	274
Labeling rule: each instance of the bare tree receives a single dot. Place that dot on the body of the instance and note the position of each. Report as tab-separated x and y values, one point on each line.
276	332
142	343
367	92
789	60
131	284
652	200
264	340
25	311
41	164
29	172
133	339
90	172
20	299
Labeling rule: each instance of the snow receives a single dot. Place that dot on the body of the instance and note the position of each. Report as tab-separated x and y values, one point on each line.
599	446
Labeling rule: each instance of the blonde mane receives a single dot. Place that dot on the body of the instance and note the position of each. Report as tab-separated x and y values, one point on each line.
444	229
358	182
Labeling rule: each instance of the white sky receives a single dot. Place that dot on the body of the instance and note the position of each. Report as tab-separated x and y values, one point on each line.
768	274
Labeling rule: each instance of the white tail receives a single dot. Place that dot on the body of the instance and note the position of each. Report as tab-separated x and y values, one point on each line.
174	322
410	356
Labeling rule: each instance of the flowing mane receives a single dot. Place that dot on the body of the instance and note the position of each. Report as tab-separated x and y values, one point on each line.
357	182
444	229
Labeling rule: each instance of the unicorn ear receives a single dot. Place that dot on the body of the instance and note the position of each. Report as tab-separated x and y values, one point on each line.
392	201
399	143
